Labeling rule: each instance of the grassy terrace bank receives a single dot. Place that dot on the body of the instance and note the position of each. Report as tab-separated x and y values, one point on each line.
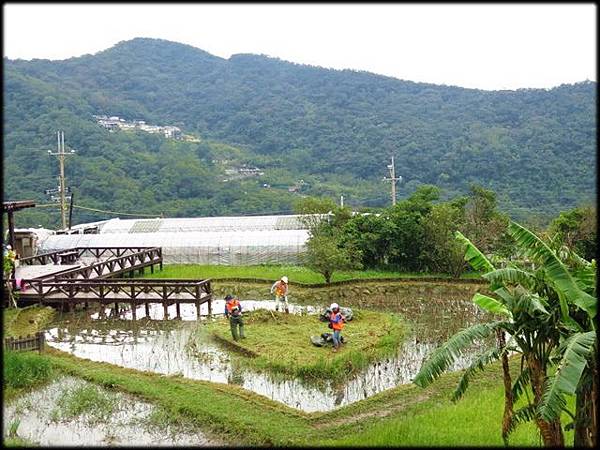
368	290
406	415
296	274
403	416
279	342
27	370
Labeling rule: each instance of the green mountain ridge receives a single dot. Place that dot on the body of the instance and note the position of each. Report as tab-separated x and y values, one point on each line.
334	129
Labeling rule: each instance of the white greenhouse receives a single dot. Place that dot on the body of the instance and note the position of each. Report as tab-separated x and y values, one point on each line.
207	240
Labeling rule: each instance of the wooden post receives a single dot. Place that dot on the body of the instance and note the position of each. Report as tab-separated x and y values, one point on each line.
147	310
11	230
197	309
177	307
86	305
133	310
117	308
152	268
41	341
166	310
209	307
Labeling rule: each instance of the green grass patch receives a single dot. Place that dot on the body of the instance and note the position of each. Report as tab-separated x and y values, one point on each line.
281	343
298	274
17	441
472	421
25	321
24	370
88	399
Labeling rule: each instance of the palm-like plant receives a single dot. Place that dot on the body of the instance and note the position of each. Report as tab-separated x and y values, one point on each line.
577	371
547	314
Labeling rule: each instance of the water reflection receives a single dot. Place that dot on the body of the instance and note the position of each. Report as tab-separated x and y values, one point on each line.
173	347
127	425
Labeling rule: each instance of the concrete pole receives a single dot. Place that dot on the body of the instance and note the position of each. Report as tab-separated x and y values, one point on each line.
61	159
393	171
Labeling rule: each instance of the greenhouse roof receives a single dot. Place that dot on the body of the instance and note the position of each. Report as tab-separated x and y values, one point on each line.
277	238
204	224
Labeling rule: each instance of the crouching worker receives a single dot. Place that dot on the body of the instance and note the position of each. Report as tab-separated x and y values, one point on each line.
233	311
336	323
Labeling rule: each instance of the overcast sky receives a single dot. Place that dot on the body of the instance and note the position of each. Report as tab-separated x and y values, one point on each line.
502	46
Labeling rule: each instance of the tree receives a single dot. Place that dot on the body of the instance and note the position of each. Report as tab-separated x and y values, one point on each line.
577	230
442	252
548	314
576	357
324	255
295	122
483	222
314	210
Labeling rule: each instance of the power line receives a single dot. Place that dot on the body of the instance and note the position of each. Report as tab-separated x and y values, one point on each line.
115	212
49	205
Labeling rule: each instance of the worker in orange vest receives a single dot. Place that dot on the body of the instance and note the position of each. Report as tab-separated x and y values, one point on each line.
336	320
280	288
233	311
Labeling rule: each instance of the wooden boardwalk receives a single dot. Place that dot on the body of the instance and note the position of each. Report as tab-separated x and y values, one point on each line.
84	282
42	271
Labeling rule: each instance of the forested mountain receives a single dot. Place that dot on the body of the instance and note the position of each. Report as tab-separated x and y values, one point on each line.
335	130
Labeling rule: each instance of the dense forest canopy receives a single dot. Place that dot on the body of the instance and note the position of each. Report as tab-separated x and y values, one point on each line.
334	130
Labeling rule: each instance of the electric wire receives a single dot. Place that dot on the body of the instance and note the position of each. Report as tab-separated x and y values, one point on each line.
115	212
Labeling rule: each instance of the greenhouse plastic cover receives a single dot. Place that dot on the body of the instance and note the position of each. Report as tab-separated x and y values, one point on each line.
248	223
210	240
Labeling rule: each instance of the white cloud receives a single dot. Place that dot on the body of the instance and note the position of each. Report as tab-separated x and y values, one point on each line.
482	46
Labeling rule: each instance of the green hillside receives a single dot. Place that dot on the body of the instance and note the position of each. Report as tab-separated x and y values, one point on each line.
335	130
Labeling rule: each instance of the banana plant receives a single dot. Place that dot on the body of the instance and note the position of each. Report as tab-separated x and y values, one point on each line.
576	357
541	311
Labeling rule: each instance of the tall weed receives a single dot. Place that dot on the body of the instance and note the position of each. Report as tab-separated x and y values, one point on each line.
87	399
25	369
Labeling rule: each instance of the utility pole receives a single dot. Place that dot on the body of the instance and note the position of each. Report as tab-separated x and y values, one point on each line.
61	179
71	210
393	179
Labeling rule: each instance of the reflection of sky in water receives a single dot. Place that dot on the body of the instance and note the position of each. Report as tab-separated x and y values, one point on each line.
125	426
188	310
171	351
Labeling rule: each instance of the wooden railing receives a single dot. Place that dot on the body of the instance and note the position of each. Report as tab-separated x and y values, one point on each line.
97	252
31	342
116	265
118	290
42	258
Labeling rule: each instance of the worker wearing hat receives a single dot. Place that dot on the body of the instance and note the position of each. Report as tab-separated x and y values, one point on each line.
280	288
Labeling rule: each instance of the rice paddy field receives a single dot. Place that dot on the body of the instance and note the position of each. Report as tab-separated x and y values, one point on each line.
180	374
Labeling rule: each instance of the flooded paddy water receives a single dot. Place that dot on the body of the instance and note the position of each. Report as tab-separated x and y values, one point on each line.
176	347
73	412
